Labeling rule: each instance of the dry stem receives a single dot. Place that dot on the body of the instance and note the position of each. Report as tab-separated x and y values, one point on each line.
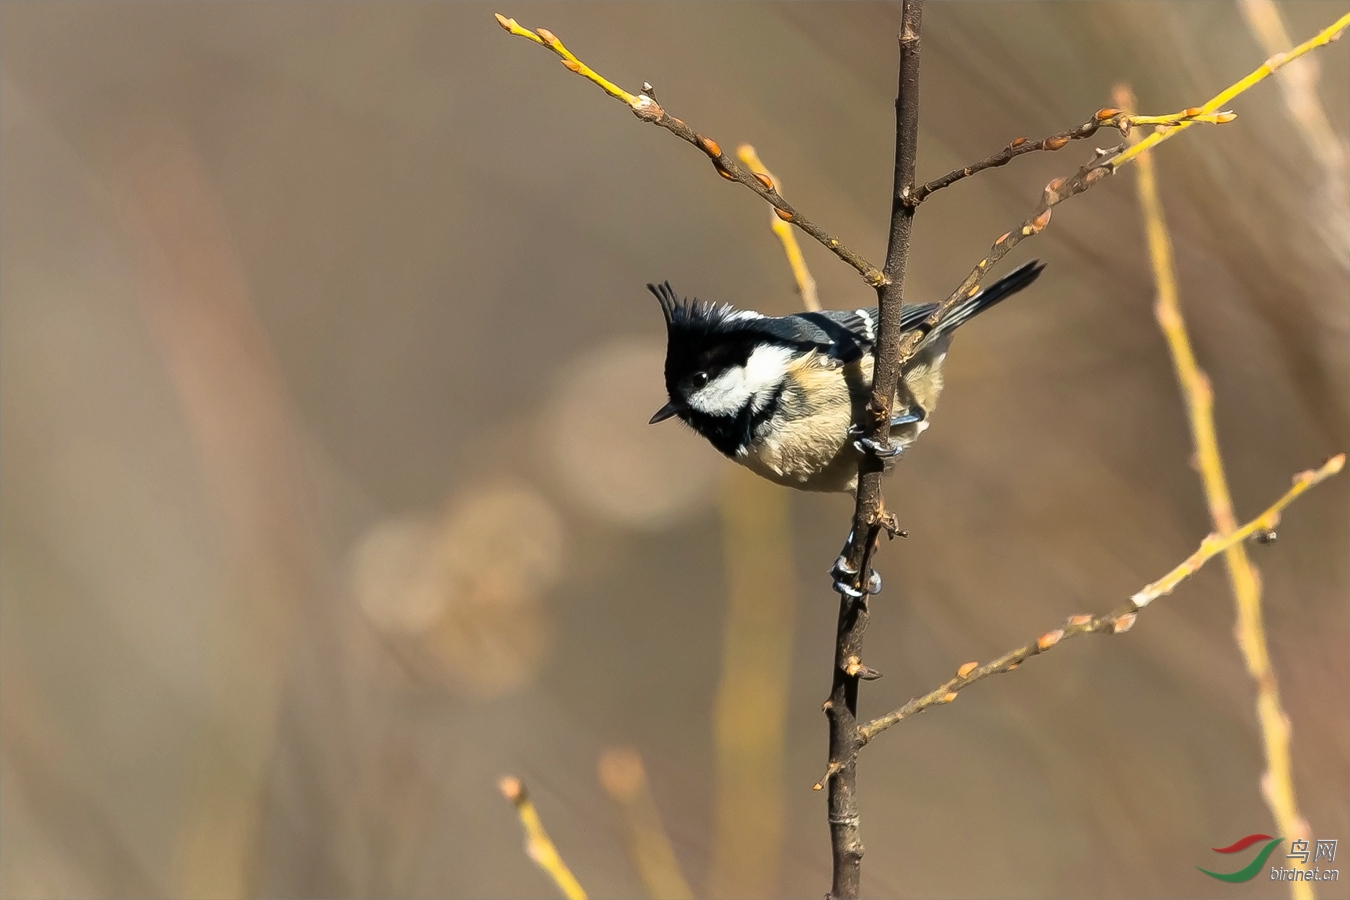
624	779
1242	574
751	704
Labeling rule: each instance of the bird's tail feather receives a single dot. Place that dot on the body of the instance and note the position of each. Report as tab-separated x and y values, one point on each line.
1005	287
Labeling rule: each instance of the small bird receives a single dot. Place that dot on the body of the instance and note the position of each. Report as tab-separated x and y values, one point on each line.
783	396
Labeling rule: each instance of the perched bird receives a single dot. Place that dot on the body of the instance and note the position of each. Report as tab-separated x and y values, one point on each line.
783	395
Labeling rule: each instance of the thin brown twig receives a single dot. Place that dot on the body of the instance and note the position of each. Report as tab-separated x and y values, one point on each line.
1115	622
645	107
1108	117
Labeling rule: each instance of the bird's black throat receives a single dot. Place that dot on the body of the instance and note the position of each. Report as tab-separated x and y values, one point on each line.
732	433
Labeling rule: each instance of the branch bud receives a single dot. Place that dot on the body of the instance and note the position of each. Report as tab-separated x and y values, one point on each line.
967	669
1052	191
1038	224
1106	112
547	35
1080	620
1056	142
781	213
572	66
1224	118
1049	639
709	146
764	180
1017	142
1192	111
511	788
949	697
1123	624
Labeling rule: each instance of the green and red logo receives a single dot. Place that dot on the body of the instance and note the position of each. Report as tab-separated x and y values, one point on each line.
1247	872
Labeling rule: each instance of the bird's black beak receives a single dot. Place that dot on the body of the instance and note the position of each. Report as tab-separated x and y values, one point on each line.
664	413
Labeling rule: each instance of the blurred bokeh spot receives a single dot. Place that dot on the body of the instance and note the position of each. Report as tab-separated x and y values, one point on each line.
460	595
609	459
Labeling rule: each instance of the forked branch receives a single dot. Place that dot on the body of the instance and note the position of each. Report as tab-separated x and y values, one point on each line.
1108	161
1109	117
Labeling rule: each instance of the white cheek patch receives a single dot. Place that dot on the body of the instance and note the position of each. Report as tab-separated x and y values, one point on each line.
748	385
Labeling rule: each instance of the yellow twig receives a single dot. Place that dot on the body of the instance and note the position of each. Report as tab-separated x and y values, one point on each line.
750	709
806	285
1299	84
538	846
1215	103
545	37
1199	397
750	715
624	778
1215	544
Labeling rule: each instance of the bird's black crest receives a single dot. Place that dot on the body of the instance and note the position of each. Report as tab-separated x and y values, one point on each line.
688	315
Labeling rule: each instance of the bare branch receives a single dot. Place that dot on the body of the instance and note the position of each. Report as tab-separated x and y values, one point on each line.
645	107
1114	623
869	515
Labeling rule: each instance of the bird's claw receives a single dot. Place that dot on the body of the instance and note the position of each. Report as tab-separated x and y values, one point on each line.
909	417
841	569
876	448
848	590
847	587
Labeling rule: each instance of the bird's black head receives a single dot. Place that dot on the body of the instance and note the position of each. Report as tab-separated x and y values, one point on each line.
720	370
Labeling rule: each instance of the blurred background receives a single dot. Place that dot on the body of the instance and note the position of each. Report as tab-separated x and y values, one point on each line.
329	497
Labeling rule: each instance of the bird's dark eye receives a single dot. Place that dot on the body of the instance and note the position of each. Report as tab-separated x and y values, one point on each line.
699	379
